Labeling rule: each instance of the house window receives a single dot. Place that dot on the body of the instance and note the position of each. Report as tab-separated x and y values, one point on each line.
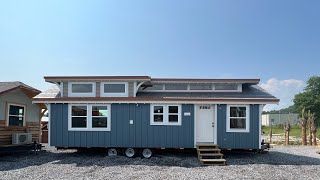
176	87
81	89
114	89
165	115
79	116
226	87
89	117
16	115
201	87
238	118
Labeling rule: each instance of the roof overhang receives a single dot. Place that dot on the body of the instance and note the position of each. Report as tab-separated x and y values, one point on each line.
54	79
158	100
182	80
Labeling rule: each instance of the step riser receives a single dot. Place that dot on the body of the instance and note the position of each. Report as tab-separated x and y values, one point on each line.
209	155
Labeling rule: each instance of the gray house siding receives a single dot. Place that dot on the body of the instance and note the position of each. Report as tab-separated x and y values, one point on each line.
122	134
65	89
232	140
131	89
18	97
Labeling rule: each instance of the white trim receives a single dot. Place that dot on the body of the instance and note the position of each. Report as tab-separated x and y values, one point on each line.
260	122
195	124
89	118
157	102
49	123
24	112
228	129
215	139
103	94
72	94
239	89
61	89
165	115
134	89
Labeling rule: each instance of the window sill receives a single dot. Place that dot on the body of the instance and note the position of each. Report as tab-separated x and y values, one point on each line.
165	124
238	131
86	129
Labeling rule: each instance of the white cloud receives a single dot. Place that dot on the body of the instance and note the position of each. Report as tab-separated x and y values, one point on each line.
283	90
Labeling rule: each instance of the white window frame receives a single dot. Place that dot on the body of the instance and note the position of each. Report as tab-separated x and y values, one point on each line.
239	130
239	89
73	94
89	118
165	115
103	94
8	113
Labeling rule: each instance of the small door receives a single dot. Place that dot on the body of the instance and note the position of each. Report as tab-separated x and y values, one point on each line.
205	123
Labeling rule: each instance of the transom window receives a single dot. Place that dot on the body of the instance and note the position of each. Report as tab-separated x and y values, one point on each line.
89	117
193	87
114	89
81	89
228	87
165	115
16	115
238	118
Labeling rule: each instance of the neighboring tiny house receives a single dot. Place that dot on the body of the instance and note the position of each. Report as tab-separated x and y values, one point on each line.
19	118
144	112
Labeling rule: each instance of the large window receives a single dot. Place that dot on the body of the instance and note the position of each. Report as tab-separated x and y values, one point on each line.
238	118
81	89
114	89
16	115
89	117
165	115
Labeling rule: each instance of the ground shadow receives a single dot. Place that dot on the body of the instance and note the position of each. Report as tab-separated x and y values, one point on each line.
186	159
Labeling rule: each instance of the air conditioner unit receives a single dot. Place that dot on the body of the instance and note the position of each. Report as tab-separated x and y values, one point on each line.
21	138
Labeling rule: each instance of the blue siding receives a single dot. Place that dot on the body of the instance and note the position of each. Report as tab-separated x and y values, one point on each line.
124	134
230	140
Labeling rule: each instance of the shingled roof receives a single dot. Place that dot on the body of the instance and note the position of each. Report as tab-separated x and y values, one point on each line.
10	86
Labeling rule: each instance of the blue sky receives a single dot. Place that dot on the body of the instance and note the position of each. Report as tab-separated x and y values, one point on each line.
277	41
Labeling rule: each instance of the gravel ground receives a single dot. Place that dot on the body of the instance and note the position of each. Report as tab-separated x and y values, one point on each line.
292	162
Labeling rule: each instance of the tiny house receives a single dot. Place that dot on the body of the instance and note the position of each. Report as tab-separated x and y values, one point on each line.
19	117
139	113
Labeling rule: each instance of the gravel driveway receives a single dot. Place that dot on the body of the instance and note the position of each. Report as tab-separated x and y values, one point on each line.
293	162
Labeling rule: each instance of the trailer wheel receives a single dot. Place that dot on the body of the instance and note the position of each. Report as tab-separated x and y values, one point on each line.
112	152
146	153
130	152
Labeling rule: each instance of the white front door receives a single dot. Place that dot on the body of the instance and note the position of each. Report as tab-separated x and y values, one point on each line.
204	123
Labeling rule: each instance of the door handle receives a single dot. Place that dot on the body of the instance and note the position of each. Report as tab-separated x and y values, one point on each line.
213	124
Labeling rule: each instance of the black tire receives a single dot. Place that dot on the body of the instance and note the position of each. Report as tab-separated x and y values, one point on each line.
146	153
112	152
130	152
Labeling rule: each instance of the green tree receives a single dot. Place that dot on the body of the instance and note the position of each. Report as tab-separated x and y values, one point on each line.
310	98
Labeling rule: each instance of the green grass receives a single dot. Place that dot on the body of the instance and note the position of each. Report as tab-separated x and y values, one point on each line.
277	130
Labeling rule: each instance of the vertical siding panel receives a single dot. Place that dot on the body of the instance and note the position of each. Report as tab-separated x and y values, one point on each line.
145	120
95	139
59	124
138	126
98	89
83	139
53	121
77	138
113	135
89	139
65	89
64	119
71	139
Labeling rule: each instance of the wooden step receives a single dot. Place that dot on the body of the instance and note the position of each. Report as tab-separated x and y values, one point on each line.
210	150
204	146
213	162
210	154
